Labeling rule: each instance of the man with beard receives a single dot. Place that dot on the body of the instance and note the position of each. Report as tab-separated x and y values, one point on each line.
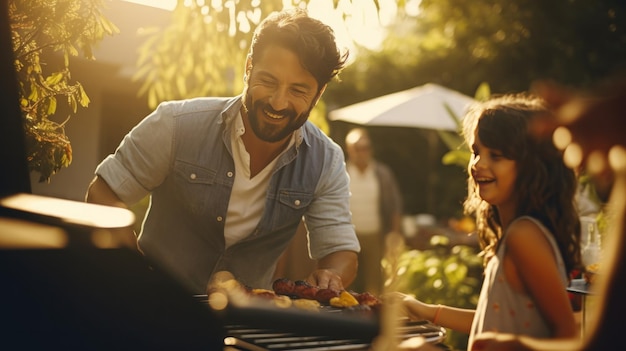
230	179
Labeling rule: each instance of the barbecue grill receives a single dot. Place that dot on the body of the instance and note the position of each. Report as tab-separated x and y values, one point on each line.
72	294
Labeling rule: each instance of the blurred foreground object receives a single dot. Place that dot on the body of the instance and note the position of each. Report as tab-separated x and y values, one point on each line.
83	224
70	280
588	126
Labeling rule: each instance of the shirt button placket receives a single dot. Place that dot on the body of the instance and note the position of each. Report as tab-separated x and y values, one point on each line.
229	174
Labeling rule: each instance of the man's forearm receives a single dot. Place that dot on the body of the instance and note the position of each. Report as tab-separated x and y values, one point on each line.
99	192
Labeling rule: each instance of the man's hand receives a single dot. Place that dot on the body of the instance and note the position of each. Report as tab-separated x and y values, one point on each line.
335	271
325	278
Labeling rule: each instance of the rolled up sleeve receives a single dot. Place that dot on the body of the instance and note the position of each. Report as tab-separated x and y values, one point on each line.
143	159
328	220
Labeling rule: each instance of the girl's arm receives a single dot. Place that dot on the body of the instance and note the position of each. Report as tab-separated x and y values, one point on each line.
531	266
458	319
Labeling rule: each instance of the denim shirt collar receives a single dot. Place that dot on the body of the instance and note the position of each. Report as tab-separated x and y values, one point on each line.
231	111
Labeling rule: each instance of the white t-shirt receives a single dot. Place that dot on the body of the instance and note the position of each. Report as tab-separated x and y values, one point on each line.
364	200
247	199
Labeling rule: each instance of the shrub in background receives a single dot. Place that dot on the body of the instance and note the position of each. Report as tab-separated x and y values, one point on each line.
444	274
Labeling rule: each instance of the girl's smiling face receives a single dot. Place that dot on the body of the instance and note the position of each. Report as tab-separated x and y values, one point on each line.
493	174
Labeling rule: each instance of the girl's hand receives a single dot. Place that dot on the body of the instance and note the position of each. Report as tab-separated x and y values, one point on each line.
410	307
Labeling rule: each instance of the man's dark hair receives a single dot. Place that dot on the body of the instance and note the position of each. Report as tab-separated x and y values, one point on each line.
312	40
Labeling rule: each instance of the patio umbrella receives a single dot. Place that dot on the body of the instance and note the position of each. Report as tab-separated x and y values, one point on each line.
425	109
420	107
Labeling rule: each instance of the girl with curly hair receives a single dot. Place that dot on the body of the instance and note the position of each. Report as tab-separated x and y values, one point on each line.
523	198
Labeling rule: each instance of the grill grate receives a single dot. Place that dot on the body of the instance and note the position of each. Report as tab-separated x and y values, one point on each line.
243	337
260	327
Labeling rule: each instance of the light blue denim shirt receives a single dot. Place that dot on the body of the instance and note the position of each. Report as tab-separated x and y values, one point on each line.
181	155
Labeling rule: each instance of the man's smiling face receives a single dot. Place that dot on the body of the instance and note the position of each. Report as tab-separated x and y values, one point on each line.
280	94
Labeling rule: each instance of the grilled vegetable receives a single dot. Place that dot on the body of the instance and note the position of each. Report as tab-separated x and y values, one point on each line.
345	299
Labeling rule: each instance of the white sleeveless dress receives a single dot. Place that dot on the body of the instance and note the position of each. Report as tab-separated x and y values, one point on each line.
501	308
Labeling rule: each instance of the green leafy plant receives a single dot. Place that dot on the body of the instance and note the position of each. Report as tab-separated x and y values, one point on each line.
201	52
45	34
459	153
444	274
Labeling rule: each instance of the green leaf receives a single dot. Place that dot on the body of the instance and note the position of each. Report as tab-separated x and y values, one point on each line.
52	105
483	92
34	92
456	157
71	49
54	78
84	98
108	26
73	104
452	140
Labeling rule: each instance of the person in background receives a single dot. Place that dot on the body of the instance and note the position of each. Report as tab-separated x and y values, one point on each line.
230	179
376	206
523	197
